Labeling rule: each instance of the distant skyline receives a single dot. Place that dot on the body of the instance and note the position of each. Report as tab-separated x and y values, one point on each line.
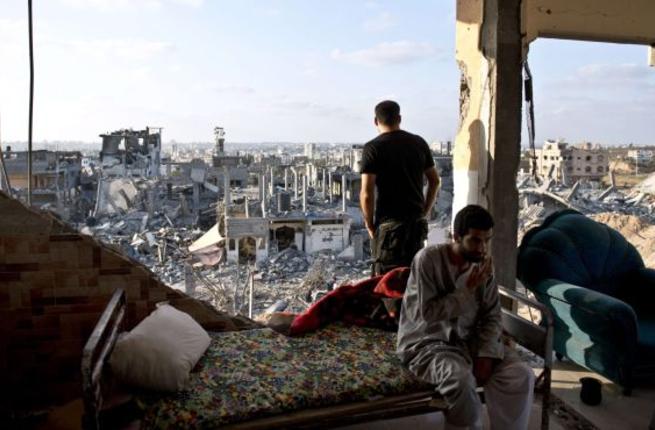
288	70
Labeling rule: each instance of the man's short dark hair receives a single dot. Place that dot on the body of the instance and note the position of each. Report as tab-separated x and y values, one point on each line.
472	216
388	112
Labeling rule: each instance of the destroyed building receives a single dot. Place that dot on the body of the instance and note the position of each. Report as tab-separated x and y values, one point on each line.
310	150
641	156
570	163
311	233
56	176
131	152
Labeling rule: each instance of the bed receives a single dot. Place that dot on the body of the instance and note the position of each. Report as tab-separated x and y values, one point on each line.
259	378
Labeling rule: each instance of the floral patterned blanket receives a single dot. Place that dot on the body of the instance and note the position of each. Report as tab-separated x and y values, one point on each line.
252	374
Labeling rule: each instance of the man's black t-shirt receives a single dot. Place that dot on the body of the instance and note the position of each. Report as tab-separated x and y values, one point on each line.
399	160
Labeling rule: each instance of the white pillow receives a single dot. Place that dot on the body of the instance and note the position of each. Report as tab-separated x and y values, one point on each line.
159	353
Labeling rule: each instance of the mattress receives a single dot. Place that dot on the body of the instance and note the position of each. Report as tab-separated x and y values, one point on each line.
253	374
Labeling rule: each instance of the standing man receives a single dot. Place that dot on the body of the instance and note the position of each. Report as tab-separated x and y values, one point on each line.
450	330
395	163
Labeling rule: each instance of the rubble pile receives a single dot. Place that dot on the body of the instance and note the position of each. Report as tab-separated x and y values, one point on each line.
638	231
290	281
537	202
154	242
630	211
301	279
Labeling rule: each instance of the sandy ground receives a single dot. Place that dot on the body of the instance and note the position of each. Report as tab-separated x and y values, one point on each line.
637	231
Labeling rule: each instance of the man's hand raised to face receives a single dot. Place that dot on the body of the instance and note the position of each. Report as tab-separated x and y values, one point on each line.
480	274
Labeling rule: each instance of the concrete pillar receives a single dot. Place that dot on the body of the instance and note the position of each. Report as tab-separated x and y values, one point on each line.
260	188
304	193
612	178
343	193
196	201
226	187
246	204
487	145
271	185
184	206
286	179
295	183
330	186
262	178
323	183
264	208
308	173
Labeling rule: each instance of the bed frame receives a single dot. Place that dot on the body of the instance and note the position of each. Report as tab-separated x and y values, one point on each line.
536	338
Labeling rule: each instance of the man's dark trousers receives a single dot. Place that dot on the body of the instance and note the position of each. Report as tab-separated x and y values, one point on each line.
396	242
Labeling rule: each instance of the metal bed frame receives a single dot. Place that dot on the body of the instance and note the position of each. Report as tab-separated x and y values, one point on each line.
538	338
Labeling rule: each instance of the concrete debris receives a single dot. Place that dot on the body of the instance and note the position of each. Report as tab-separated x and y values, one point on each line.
630	211
648	185
573	192
216	224
606	193
281	221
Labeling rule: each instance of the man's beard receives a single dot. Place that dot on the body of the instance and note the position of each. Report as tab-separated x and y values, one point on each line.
472	257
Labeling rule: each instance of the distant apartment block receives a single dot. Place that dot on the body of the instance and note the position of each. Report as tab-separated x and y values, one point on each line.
441	147
641	156
570	163
352	157
55	175
310	150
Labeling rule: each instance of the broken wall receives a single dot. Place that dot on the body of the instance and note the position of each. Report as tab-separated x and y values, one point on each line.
54	284
333	237
115	195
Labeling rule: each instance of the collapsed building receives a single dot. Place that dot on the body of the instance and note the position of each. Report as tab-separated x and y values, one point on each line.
221	210
131	152
56	176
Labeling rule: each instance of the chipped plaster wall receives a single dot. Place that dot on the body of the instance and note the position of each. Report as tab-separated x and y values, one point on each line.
470	151
487	144
334	237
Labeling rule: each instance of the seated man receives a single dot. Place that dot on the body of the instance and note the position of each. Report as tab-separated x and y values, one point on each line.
450	330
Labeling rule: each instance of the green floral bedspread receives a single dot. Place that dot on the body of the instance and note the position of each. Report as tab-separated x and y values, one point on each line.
256	373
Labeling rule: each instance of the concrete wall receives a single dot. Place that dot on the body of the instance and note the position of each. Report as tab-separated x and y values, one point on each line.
320	237
487	144
595	20
261	249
